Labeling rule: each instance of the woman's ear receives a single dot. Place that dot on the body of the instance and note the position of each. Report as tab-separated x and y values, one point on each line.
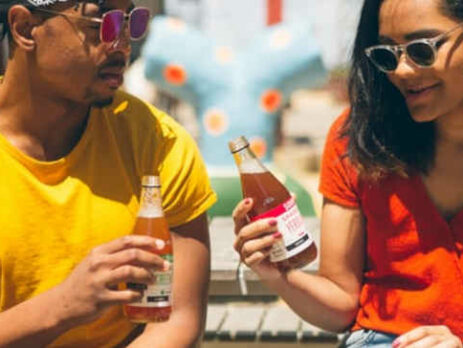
22	24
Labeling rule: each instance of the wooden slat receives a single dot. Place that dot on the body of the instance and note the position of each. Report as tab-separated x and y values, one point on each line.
216	314
280	324
242	323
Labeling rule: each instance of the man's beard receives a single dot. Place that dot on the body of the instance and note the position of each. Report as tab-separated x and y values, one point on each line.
102	103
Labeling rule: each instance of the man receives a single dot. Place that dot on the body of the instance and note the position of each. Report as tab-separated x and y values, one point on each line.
73	150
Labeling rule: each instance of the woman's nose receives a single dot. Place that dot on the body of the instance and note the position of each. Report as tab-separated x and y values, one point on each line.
405	66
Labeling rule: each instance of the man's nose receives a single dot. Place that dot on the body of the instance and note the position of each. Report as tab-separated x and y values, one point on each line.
122	42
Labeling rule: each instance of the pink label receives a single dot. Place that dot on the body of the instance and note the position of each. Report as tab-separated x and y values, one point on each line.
291	225
277	211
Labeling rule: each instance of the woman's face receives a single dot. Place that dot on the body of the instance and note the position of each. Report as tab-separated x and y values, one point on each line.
429	92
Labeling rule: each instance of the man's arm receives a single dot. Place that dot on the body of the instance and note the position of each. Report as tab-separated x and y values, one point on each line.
84	295
190	290
36	322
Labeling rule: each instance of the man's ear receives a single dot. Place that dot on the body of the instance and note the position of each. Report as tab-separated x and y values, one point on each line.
22	23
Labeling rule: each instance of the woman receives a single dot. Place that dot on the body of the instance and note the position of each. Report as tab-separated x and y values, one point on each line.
392	174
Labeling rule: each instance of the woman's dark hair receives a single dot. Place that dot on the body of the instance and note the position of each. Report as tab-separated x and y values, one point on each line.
383	138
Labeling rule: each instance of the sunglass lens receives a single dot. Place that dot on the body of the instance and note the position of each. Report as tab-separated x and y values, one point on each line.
139	19
384	59
113	22
421	53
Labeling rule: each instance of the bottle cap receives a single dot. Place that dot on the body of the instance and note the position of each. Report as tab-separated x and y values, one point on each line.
150	181
238	144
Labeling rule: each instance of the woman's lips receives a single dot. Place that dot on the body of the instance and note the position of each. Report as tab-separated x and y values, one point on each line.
419	93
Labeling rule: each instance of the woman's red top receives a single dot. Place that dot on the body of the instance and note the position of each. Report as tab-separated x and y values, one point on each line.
413	268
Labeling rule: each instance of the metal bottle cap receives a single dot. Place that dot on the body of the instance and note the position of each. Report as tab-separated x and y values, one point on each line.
238	144
151	181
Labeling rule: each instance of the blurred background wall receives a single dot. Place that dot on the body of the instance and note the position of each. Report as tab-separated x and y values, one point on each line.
234	22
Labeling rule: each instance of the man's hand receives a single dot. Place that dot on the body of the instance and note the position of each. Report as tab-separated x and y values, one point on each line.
93	284
428	336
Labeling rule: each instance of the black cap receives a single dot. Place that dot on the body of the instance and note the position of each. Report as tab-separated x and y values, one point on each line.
5	4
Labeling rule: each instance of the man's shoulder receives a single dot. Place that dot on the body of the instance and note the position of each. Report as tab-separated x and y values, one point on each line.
140	114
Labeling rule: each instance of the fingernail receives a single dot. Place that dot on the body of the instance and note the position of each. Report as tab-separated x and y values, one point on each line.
166	266
277	235
247	201
396	343
273	222
160	244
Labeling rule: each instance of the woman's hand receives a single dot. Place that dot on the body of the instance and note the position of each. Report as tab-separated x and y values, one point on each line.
254	241
428	336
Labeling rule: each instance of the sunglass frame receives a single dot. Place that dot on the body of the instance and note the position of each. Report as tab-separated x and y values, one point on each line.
398	49
127	17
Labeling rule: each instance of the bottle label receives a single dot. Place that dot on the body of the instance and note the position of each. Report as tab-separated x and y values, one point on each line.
151	203
158	294
295	236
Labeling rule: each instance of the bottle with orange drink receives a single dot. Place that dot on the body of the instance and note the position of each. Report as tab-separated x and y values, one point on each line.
155	306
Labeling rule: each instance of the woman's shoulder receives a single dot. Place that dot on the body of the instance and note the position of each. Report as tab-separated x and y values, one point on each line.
337	137
338	176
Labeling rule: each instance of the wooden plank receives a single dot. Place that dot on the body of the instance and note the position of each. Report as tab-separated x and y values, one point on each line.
242	323
216	314
281	324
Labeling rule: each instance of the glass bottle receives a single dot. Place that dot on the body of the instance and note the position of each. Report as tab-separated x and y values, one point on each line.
271	199
155	306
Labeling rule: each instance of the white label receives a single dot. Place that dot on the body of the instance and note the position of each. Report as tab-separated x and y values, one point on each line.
160	293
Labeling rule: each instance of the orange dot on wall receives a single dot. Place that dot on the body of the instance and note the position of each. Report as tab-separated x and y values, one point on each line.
175	74
215	122
271	100
176	24
258	146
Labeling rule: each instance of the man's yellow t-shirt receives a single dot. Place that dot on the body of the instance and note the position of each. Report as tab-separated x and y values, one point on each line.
53	213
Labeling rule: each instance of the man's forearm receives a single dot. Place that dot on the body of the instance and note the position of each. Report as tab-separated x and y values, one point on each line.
33	323
317	299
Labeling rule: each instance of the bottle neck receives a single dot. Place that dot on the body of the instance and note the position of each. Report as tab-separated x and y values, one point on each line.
150	202
248	162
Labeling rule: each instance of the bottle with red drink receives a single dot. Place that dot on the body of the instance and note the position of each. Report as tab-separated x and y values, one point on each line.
155	306
271	199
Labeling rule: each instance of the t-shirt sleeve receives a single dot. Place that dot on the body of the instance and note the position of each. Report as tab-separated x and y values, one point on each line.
185	184
338	177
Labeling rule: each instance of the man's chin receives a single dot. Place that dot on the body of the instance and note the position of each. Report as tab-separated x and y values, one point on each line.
102	103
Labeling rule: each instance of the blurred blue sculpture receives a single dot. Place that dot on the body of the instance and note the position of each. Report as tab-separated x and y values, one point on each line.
233	93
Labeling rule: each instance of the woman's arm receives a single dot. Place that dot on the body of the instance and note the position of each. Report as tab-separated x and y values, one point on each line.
328	299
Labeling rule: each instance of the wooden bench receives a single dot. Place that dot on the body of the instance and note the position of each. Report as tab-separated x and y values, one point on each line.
262	323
